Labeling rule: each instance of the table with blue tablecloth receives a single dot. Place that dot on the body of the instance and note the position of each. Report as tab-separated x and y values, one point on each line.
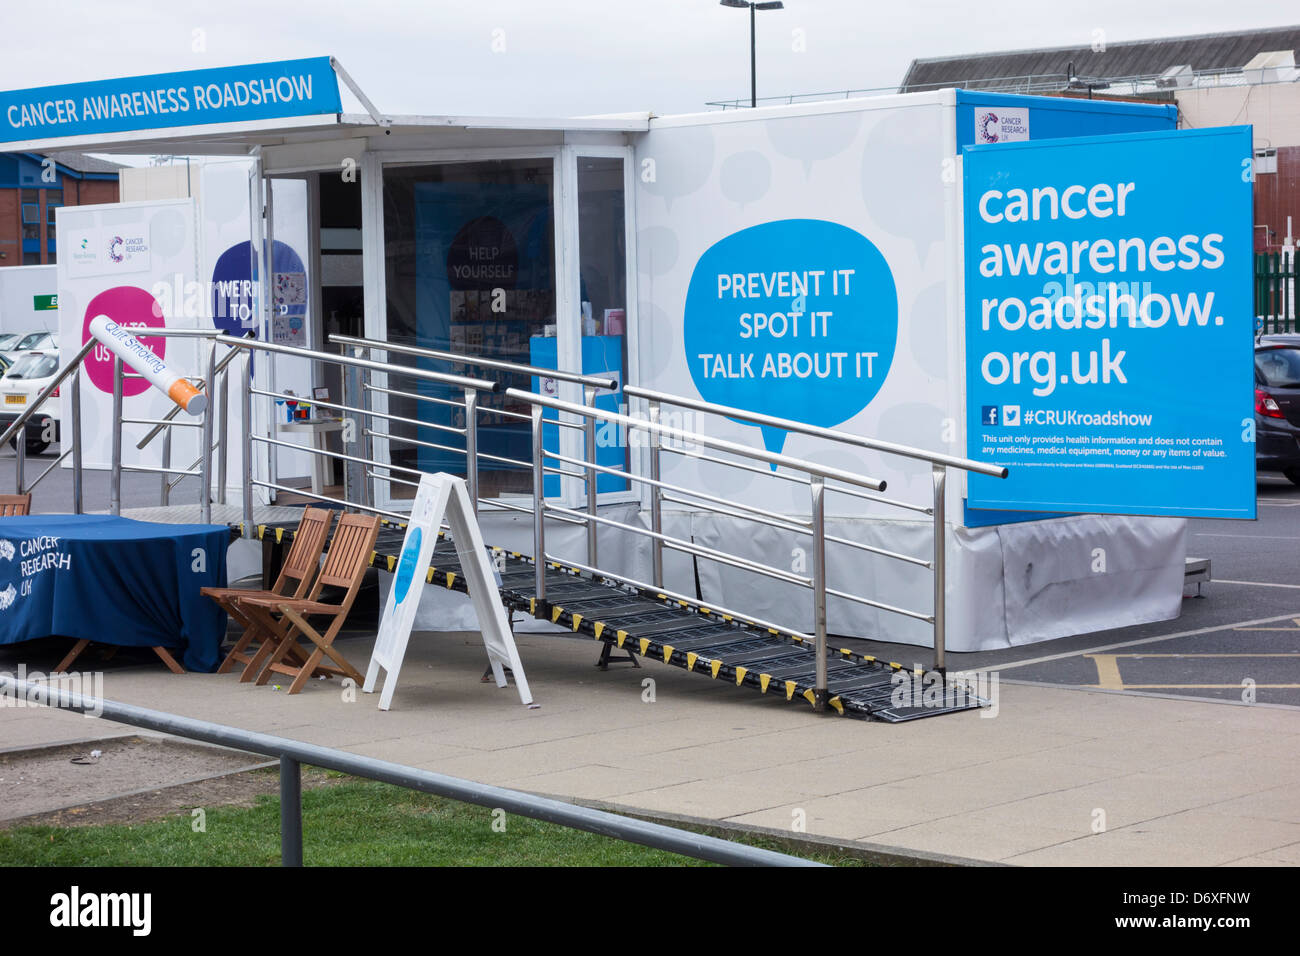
114	580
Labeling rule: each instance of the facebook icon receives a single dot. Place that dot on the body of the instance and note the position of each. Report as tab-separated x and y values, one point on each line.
989	415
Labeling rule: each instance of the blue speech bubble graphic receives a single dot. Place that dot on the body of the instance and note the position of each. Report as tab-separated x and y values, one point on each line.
796	319
406	567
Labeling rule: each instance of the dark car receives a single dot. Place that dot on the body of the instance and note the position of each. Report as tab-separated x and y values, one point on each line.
1277	405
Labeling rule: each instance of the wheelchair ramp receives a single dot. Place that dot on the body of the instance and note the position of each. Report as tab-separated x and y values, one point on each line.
681	633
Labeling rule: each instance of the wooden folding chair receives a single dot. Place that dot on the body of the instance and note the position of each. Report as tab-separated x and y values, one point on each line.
345	566
15	505
301	566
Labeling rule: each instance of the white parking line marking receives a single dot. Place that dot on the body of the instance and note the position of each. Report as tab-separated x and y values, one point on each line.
1258	584
1255	537
1143	640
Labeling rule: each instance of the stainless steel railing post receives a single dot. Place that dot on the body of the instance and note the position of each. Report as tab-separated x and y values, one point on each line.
223	445
471	446
205	462
367	488
290	812
539	506
115	485
818	489
354	426
78	503
20	449
246	439
164	493
939	474
656	499
589	440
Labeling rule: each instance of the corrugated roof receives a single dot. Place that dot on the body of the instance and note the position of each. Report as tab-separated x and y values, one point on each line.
83	163
1210	51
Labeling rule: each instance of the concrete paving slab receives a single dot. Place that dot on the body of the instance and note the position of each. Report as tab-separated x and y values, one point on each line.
1019	787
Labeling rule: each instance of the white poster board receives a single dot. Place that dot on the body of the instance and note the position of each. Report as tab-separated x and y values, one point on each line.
438	496
135	263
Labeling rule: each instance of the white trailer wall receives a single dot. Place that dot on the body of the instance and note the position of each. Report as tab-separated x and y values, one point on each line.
887	169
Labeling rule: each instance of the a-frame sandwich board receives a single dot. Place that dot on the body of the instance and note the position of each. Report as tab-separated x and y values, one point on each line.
440	496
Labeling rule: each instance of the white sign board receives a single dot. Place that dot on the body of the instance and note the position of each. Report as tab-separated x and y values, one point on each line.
438	496
1005	124
136	264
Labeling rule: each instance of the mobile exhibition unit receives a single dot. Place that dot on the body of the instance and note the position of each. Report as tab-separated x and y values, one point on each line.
1004	278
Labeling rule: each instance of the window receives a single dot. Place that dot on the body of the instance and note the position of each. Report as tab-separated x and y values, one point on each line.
53	200
31	220
34	365
1279	368
602	283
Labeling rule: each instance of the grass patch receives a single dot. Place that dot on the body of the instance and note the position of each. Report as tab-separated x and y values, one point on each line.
358	823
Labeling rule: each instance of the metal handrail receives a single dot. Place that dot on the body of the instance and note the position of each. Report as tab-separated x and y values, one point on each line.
688	437
45	393
817	431
816	478
460	381
176	409
292	754
609	384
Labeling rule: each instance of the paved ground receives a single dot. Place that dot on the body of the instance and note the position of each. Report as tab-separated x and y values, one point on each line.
1166	781
1241	638
1093	757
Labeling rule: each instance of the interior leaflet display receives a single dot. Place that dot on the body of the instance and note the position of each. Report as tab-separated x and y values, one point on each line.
484	285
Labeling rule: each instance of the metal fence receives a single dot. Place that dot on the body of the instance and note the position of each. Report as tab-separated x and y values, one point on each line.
1275	292
293	754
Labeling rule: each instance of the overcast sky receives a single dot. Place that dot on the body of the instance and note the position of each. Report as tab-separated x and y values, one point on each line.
572	57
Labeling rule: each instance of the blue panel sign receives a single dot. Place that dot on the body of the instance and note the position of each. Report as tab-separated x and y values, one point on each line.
1008	117
232	94
1109	324
795	319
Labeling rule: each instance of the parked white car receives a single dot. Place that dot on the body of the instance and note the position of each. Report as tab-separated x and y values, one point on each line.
29	374
28	342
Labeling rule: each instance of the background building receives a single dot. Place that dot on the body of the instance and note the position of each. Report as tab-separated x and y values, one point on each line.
1220	79
33	186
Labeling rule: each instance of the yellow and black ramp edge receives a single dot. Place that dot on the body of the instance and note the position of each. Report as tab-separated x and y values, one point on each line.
692	636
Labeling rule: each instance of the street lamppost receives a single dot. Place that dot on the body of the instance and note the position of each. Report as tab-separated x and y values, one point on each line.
753	70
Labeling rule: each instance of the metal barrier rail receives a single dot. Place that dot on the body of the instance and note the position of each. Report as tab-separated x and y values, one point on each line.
292	754
938	461
819	480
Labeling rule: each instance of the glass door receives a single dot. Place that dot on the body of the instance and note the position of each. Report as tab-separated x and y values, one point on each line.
470	268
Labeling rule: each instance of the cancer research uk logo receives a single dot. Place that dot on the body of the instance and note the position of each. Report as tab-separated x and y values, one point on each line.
1005	126
988	127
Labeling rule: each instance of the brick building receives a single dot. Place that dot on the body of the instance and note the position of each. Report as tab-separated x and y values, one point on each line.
33	186
1219	79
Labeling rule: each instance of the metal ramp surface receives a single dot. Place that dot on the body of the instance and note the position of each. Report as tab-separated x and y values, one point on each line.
678	632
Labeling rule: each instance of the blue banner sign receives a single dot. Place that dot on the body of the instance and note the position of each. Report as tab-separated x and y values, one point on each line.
232	94
1109	351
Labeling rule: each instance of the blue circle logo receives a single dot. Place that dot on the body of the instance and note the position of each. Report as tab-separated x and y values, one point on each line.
406	567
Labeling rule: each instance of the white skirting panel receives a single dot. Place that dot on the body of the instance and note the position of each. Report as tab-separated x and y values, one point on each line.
1008	585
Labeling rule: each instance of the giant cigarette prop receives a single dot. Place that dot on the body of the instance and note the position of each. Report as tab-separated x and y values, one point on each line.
119	340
